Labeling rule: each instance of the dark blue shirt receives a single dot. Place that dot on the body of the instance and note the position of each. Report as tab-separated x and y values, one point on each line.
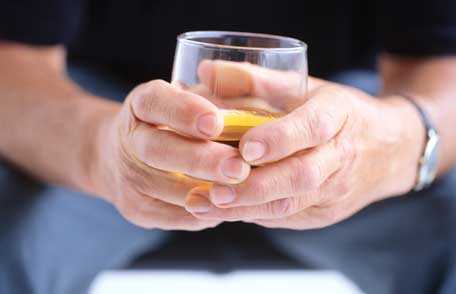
137	37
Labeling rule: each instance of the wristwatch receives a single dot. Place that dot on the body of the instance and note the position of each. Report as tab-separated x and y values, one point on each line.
428	163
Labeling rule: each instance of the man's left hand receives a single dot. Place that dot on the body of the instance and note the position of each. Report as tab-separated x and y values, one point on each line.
335	153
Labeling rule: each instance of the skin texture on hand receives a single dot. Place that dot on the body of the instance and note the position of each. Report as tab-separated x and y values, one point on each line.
333	154
141	165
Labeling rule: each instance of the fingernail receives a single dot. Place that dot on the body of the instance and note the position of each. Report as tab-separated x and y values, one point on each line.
253	150
198	204
222	195
207	124
234	168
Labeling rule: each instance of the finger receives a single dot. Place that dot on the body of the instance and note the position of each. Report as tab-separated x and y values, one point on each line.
312	124
335	204
315	217
168	187
206	160
283	89
151	213
200	206
294	176
161	103
310	218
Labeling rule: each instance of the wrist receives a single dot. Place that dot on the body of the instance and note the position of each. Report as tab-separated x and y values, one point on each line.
411	133
96	135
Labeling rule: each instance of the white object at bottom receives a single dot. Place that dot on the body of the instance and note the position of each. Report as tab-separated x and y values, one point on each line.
188	282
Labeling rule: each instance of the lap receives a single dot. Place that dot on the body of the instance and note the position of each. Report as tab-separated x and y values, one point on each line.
400	245
58	240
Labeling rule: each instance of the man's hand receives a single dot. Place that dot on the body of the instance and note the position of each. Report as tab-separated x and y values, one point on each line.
133	155
337	152
139	163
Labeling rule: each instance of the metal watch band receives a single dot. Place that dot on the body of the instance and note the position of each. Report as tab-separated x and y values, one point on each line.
426	169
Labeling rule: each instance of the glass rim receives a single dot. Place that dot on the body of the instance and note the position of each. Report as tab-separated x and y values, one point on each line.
297	45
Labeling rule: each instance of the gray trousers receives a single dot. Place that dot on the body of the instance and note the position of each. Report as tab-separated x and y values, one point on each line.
53	240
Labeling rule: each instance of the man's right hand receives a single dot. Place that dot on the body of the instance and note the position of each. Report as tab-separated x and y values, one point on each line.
138	161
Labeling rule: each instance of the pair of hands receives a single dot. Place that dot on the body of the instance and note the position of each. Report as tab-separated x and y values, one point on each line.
336	151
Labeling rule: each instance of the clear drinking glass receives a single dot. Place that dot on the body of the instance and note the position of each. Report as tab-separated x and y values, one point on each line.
246	74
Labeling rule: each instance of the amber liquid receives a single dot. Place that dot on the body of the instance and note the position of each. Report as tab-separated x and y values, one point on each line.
238	121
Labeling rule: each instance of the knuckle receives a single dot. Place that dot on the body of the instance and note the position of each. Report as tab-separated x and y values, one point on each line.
326	126
279	208
337	92
324	121
305	175
139	89
282	137
320	125
155	85
347	150
347	92
145	100
142	102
